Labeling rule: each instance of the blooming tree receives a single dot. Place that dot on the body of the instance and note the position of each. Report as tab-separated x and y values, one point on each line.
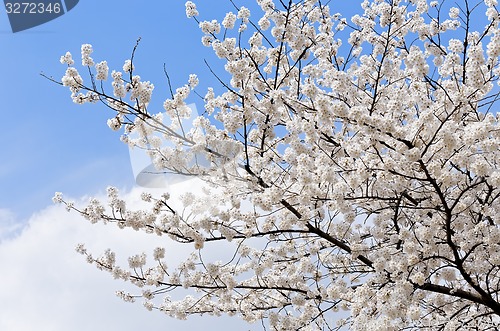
348	164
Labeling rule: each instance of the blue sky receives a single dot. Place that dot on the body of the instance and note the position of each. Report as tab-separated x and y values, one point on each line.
51	144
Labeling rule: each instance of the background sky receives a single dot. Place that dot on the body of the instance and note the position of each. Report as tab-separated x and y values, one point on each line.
50	144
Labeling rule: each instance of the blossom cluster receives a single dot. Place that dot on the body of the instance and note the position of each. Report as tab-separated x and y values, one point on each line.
344	162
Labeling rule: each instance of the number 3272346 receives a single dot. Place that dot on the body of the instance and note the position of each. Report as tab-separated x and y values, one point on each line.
32	8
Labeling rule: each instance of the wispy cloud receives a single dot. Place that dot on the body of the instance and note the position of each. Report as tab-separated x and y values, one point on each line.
9	226
46	285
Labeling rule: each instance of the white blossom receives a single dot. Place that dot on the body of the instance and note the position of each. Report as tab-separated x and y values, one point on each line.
102	70
67	58
229	20
191	9
86	51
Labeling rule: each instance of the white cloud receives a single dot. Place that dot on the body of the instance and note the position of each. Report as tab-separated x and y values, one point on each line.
47	286
9	226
